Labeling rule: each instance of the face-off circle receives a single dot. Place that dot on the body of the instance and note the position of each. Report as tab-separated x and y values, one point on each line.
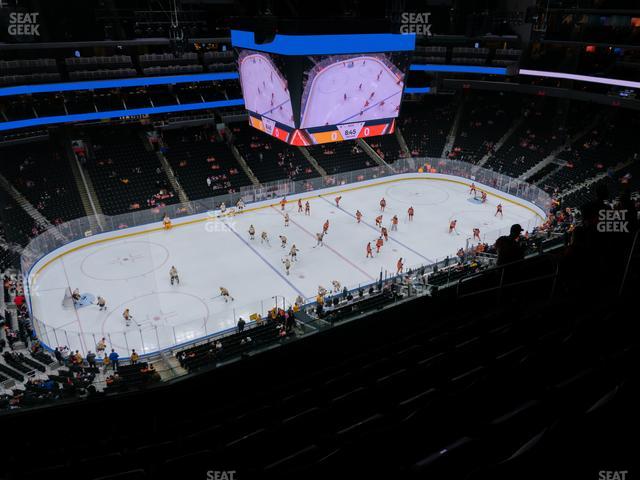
124	261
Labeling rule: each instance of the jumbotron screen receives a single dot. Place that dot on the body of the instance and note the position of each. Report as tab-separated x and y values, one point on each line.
313	99
265	88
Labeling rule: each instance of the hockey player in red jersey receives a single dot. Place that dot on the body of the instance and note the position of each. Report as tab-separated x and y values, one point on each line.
483	197
472	190
325	227
385	234
476	234
283	202
358	216
300	209
379	244
499	211
338	201
307	209
452	226
410	212
400	266
379	221
369	251
394	223
383	204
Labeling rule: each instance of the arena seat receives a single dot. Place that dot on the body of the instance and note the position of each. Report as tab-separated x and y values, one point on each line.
126	175
484	121
426	124
271	159
340	157
40	171
196	155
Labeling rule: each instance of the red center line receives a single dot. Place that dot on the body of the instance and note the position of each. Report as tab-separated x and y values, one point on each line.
328	246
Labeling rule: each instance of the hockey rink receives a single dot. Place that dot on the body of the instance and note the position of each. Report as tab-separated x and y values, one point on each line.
264	88
130	268
326	103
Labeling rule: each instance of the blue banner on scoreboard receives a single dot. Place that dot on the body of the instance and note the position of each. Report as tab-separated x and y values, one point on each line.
326	44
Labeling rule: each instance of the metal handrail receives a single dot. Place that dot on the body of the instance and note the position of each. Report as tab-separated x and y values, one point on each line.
628	265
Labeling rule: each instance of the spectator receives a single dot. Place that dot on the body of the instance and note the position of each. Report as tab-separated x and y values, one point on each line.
241	324
12	337
113	359
64	351
509	247
105	363
76	359
134	357
58	356
91	359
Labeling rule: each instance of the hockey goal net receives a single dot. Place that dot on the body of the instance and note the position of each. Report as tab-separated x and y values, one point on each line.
67	300
477	195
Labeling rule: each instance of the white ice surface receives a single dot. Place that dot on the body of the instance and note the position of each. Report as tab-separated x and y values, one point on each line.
264	89
133	272
326	104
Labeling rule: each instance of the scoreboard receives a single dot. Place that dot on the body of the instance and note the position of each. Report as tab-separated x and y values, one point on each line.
312	89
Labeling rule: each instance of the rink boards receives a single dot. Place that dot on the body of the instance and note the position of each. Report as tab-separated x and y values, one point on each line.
203	217
77	263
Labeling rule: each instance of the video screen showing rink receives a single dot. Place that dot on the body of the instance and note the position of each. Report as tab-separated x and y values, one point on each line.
130	268
352	89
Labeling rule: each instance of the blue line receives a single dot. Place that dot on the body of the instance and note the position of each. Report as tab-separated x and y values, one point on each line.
326	44
369	108
377	230
265	260
458	69
79	117
116	83
331	249
269	111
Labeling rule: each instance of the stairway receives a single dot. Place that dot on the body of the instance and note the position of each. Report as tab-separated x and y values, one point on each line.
240	159
543	163
314	163
548	175
88	196
173	181
552	156
403	144
30	209
583	185
373	155
597	178
502	141
451	137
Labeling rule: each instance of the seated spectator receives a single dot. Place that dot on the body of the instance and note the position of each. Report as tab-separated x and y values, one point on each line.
509	247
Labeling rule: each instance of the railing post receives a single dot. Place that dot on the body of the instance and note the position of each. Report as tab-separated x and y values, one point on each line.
142	341
157	336
628	265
